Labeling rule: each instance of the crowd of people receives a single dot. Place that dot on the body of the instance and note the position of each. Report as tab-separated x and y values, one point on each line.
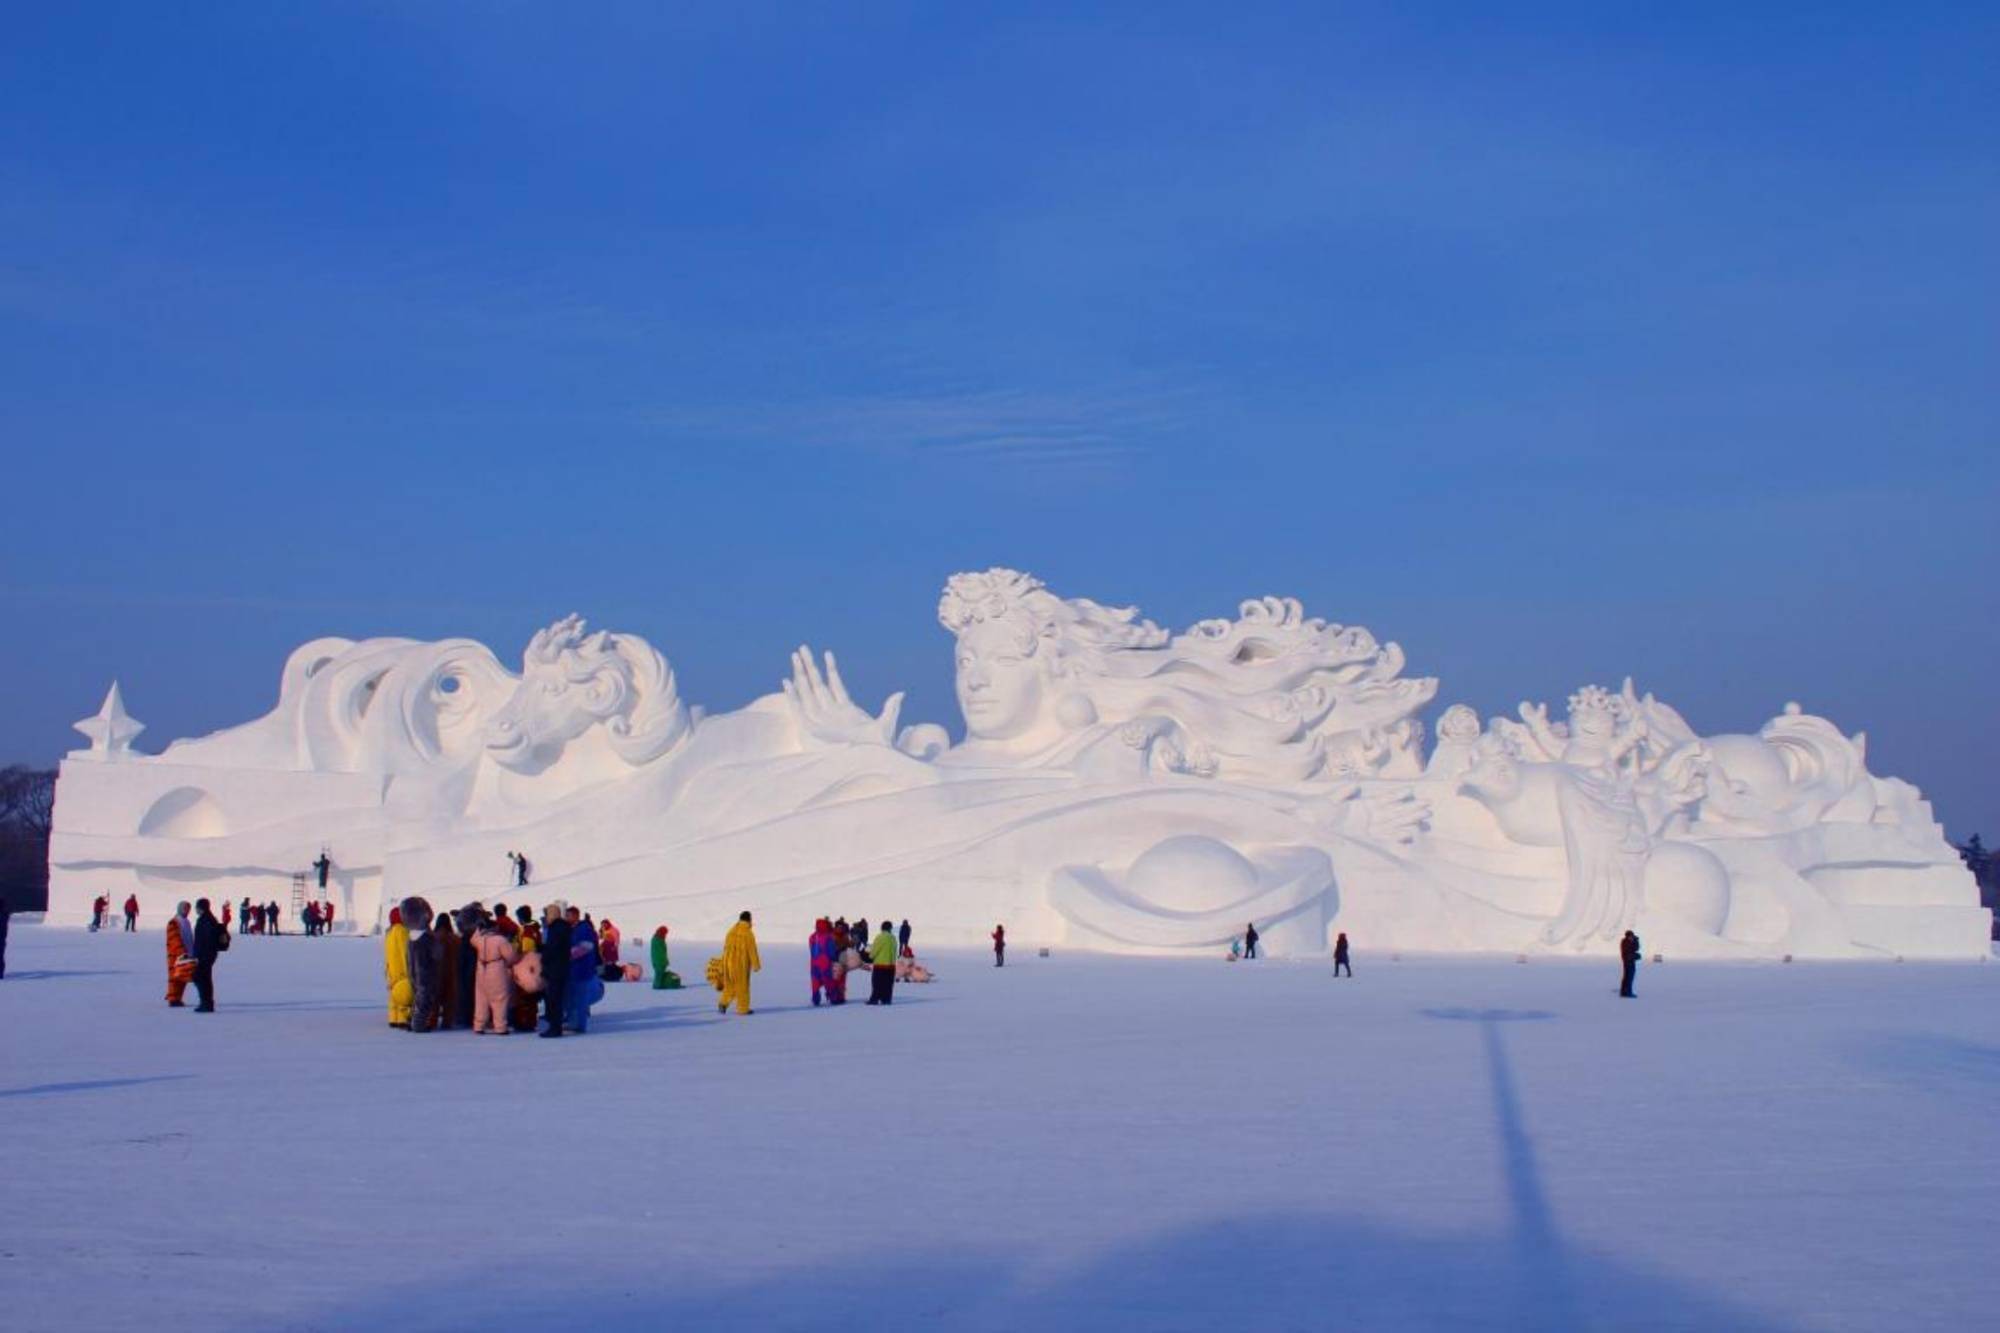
837	949
490	972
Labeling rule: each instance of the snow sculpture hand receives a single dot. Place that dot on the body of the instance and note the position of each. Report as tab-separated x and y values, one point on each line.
825	712
1367	810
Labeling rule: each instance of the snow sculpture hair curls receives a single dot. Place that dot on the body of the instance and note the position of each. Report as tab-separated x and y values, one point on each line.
572	680
1271	694
1074	633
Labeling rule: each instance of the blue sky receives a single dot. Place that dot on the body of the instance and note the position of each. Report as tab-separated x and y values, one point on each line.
1555	344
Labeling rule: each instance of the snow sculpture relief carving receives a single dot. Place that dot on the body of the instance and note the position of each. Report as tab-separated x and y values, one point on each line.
1117	786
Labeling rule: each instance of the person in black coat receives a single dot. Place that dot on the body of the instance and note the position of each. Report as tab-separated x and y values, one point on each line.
6	910
1628	955
903	937
1340	962
1250	941
555	967
468	966
426	965
210	939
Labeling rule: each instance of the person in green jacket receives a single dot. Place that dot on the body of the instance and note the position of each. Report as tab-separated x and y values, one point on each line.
882	977
662	978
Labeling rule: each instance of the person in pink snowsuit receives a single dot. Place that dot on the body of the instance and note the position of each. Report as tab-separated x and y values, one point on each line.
494	989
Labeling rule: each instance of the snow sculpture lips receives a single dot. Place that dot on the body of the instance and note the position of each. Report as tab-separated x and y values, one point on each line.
1192	891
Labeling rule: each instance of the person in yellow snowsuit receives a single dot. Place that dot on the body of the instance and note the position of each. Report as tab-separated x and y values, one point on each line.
396	969
739	960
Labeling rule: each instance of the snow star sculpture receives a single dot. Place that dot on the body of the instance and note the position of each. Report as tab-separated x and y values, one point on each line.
1117	786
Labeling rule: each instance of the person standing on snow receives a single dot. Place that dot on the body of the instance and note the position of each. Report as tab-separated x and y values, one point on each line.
1628	956
210	939
585	987
999	946
554	949
426	965
467	920
882	976
527	974
1250	941
396	970
903	939
739	960
495	982
819	953
1340	962
180	956
131	913
448	972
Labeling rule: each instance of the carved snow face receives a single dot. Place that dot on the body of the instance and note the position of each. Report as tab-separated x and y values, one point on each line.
1597	724
999	682
545	714
1459	724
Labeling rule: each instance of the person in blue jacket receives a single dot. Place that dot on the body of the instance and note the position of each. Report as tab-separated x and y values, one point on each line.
584	982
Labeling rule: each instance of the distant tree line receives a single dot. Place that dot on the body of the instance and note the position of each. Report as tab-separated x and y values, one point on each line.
1985	867
27	812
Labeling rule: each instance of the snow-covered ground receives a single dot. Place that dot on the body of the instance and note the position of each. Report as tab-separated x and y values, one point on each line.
1074	1142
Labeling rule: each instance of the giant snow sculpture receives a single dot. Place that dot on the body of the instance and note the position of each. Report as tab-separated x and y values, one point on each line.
1117	787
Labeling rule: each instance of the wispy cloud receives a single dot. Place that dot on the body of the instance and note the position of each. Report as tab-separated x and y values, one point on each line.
1023	427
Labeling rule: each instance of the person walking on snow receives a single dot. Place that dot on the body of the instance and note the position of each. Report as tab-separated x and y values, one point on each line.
180	956
1340	962
739	960
882	976
819	953
131	913
1250	941
999	946
396	970
1628	956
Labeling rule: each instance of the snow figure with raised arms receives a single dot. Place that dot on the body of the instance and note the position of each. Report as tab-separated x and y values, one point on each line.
1117	786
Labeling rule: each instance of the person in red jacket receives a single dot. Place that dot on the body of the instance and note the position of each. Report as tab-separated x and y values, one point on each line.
999	946
131	913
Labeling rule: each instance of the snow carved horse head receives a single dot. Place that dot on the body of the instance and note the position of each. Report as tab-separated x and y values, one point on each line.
600	700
